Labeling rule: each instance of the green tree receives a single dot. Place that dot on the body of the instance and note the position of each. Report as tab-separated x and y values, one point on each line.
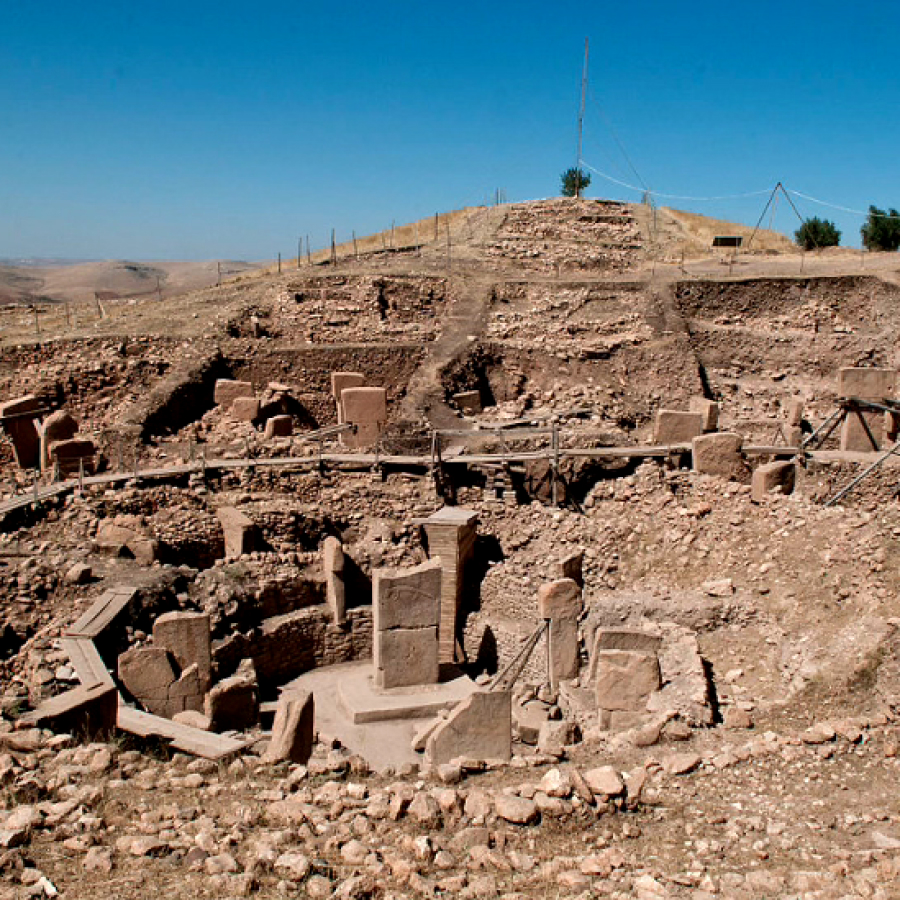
574	181
816	232
882	229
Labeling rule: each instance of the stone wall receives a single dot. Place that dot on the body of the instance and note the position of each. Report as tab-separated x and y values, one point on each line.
287	646
308	370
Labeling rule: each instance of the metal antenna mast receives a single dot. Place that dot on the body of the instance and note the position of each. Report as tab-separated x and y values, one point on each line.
584	75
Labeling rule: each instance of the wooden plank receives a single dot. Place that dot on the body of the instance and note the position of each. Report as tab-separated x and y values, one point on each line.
103	611
182	737
86	661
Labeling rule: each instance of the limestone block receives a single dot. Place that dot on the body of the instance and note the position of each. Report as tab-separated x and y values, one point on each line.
279	426
71	455
245	409
773	476
625	679
571	566
676	427
186	693
240	531
232	704
86	711
192	718
293	734
335	589
795	412
719	454
620	639
709	409
407	598
121	540
58	426
468	402
148	675
867	384
405	657
560	602
366	409
340	381
186	636
479	727
854	436
227	391
22	430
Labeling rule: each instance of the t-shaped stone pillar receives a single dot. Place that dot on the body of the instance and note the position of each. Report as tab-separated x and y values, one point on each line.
560	602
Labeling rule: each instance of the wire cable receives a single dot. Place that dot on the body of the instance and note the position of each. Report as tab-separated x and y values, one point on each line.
846	209
639	190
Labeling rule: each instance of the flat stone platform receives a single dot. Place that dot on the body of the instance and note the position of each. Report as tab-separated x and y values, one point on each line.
363	702
381	741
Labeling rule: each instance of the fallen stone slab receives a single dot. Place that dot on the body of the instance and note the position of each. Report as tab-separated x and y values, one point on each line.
480	727
121	540
87	712
293	734
620	639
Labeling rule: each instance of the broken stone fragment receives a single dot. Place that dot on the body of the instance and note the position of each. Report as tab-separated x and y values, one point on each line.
186	635
147	674
121	540
479	726
293	735
233	703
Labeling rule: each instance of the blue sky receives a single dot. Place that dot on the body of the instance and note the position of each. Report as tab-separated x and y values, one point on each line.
197	130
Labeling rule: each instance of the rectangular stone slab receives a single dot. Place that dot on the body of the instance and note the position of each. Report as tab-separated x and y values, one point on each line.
676	427
867	384
405	657
407	598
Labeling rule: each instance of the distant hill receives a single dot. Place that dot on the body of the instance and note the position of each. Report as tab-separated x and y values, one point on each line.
29	281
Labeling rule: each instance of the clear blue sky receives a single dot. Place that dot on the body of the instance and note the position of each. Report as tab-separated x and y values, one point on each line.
226	130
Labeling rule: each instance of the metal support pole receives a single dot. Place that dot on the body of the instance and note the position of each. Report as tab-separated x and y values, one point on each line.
881	459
